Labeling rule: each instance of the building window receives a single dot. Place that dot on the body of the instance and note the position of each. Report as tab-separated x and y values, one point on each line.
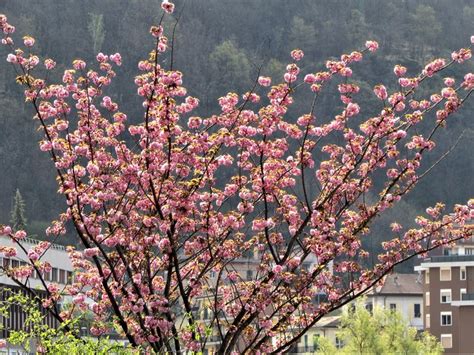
462	274
445	274
447	341
446	319
316	342
445	295
427	321
469	251
427	276
62	276
393	306
427	299
417	310
462	291
249	274
339	343
54	275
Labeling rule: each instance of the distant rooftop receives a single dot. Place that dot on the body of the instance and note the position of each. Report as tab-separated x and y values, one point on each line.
33	241
400	284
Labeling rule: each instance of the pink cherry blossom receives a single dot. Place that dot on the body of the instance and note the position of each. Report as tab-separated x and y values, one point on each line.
167	6
297	54
371	45
399	70
28	41
264	81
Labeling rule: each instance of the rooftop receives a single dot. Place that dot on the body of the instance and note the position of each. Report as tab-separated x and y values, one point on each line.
33	241
399	284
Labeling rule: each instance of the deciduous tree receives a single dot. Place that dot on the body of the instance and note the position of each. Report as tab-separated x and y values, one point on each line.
381	331
18	219
161	230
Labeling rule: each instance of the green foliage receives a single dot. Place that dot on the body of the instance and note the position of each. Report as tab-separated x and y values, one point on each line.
18	219
381	331
426	29
230	64
326	347
360	330
36	336
302	35
274	69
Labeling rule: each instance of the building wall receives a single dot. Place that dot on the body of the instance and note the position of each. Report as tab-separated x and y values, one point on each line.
307	343
405	304
461	316
463	336
56	255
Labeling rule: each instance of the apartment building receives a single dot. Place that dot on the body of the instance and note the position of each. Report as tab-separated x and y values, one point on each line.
400	292
61	273
448	292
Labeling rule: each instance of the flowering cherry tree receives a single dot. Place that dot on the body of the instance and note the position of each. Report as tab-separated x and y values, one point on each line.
160	229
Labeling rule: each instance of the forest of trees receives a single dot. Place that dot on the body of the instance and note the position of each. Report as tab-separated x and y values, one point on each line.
220	46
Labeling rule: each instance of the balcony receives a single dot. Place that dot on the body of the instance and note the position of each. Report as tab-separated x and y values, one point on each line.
450	258
468	296
467	299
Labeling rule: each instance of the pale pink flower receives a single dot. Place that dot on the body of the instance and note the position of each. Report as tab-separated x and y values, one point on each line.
11	58
79	64
33	255
91	252
371	45
78	299
449	81
102	58
49	64
156	31
19	235
5	230
404	82
399	70
352	109
264	80
381	92
310	78
167	6
28	41
116	58
277	269
461	55
289	78
297	54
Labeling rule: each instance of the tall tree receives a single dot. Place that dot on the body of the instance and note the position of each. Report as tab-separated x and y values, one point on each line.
97	31
18	219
